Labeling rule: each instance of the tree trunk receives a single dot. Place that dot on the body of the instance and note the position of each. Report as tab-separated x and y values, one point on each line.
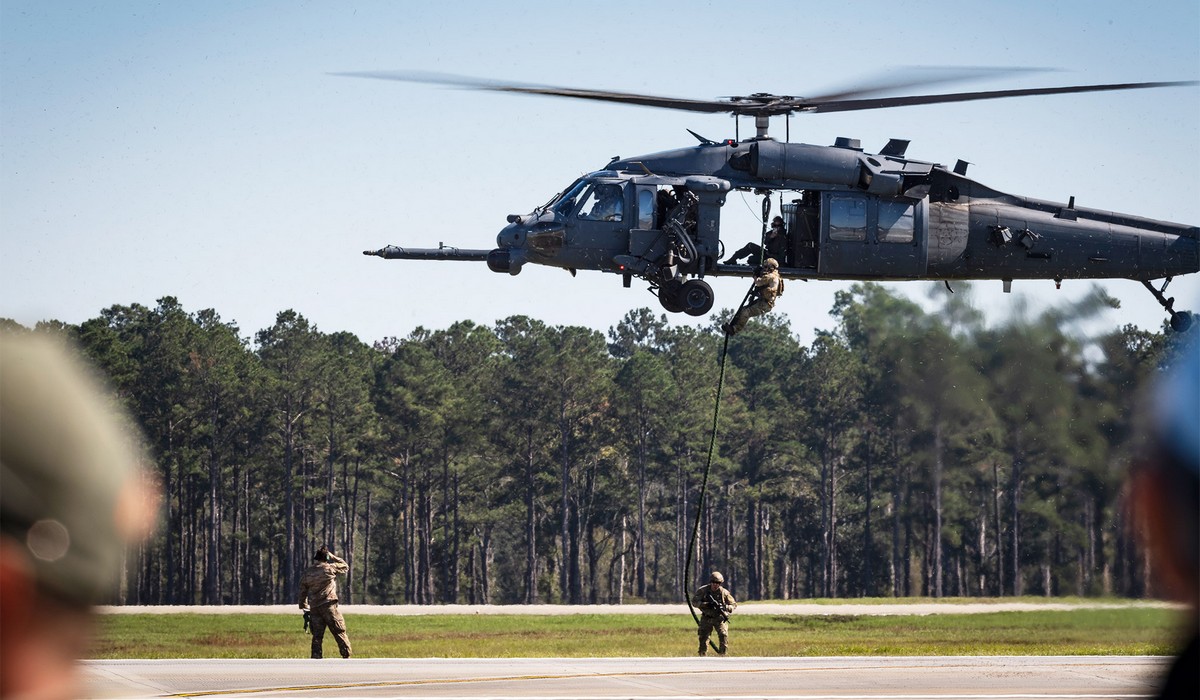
620	597
867	585
565	584
1015	489
639	536
531	588
366	580
485	564
456	536
897	501
833	525
289	497
211	592
753	582
826	539
998	528
425	541
938	564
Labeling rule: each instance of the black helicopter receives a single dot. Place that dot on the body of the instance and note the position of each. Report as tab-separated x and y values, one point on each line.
852	215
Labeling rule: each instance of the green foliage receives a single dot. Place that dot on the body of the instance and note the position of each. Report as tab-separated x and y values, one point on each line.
903	453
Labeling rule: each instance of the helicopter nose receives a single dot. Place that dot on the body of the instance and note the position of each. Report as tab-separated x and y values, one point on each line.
510	255
511	236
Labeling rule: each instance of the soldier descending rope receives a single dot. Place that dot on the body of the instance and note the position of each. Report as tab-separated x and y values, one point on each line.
768	286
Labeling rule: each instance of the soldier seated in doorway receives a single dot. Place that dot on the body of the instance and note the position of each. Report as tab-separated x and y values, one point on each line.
777	246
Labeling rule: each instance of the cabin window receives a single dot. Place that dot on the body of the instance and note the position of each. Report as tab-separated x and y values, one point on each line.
847	218
895	222
645	203
603	203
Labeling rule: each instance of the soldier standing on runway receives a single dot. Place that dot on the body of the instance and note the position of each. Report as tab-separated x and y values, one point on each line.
318	592
716	604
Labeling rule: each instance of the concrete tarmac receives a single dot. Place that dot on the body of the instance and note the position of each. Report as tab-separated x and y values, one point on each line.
812	678
846	678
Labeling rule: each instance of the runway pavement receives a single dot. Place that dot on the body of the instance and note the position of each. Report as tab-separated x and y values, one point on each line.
860	678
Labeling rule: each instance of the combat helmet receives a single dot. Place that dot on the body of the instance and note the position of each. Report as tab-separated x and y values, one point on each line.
770	264
716	577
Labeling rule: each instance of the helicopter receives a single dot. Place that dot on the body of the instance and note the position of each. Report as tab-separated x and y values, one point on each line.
850	215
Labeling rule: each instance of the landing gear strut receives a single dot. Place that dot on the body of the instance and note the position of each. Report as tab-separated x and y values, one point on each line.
1180	320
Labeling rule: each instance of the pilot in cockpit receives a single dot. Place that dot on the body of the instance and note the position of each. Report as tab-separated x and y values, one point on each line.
609	203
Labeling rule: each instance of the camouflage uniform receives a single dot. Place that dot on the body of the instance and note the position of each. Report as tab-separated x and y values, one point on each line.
710	616
318	588
776	246
768	286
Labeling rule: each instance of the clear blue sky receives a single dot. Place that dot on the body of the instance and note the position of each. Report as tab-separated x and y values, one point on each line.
201	150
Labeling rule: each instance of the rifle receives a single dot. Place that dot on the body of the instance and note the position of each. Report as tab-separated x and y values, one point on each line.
717	605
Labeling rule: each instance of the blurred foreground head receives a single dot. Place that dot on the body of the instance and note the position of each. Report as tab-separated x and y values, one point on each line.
1166	483
72	497
1165	497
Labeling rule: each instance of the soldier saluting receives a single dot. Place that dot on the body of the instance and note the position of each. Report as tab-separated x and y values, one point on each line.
716	604
318	592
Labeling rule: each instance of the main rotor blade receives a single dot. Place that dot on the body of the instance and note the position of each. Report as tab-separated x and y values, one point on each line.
764	104
710	106
917	76
886	102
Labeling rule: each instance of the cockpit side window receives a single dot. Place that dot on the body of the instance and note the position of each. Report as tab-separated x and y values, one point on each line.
604	202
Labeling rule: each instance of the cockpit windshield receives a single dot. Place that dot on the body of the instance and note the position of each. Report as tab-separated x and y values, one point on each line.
558	197
565	202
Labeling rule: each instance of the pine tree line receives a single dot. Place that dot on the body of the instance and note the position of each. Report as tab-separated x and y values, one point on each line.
903	453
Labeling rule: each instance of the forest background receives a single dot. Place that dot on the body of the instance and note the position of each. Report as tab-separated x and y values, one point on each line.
906	452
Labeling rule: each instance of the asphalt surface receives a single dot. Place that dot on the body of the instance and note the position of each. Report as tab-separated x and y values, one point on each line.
862	678
813	678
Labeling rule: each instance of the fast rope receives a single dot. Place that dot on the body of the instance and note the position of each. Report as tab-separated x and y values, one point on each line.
712	446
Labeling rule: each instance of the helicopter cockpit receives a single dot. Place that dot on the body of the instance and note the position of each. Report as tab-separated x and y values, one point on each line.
603	202
659	228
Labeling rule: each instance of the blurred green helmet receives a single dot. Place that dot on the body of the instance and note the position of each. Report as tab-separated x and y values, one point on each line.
70	463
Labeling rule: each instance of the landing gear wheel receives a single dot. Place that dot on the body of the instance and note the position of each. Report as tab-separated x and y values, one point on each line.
696	297
669	295
1181	321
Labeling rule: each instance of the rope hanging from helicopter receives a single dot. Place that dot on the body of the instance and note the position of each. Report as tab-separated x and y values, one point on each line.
712	446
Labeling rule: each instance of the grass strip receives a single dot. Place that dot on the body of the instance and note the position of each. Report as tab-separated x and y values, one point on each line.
1129	631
